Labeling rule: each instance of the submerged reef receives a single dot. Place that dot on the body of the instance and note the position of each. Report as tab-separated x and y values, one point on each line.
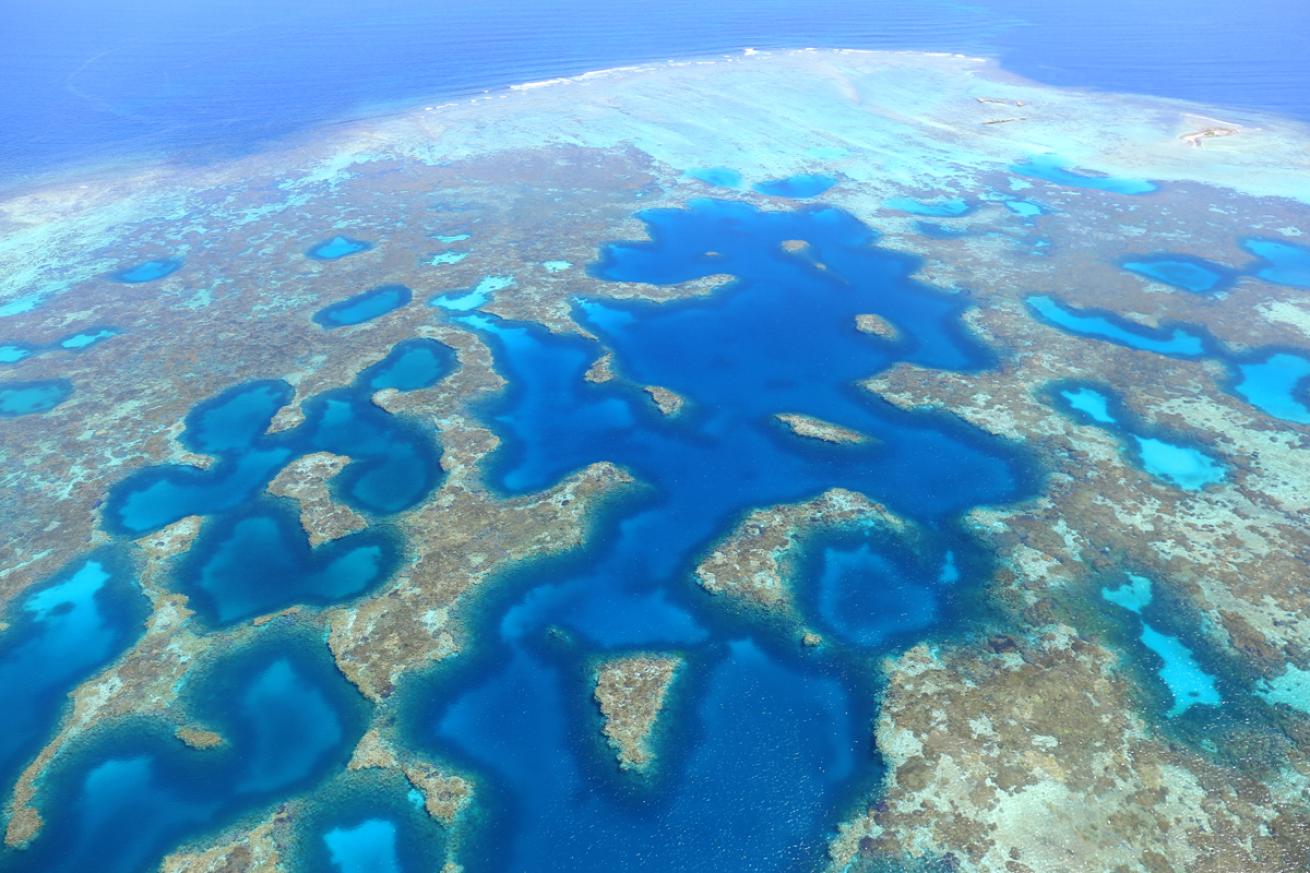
780	520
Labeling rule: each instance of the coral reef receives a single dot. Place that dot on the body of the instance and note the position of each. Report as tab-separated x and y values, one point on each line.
630	691
1038	760
668	402
1040	741
817	429
752	564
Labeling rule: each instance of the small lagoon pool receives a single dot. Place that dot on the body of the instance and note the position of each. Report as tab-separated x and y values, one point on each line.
1178	342
363	307
1196	275
30	398
1167	457
1185	681
801	186
148	271
1280	262
1058	171
336	248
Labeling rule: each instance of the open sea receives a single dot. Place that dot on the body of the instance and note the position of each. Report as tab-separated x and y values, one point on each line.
94	82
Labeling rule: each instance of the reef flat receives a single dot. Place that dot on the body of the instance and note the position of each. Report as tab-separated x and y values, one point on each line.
837	460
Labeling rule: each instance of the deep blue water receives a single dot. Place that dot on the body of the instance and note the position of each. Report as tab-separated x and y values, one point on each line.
130	793
258	560
761	731
395	463
59	633
84	84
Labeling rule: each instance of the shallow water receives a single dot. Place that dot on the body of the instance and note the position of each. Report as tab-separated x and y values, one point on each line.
29	398
148	271
799	187
868	596
947	208
1167	457
1186	682
1054	169
369	821
472	298
337	247
1190	274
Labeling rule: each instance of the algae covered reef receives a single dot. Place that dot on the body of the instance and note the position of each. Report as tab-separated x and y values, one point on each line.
794	461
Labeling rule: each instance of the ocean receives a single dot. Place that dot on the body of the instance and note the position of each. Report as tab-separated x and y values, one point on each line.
91	82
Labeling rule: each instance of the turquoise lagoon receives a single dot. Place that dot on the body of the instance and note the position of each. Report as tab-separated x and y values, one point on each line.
29	398
1177	341
1274	380
1167	457
1196	275
1058	171
469	299
13	352
337	247
148	271
801	186
1280	262
1184	679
